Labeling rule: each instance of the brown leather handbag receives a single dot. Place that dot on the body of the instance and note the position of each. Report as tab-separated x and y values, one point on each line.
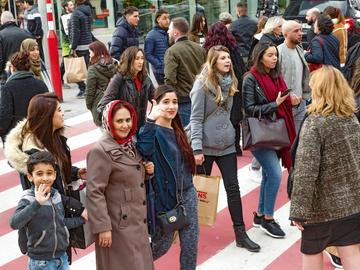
264	133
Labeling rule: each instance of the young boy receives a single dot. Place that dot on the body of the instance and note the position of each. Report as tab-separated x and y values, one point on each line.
41	213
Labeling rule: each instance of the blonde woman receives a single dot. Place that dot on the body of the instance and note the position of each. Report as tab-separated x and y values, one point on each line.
213	135
272	31
326	192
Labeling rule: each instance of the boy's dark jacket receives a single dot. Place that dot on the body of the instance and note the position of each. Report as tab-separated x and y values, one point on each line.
46	226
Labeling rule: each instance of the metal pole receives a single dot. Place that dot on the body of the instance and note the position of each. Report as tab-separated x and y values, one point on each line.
53	52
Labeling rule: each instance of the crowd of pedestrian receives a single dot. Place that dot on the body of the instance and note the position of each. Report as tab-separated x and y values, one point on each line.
213	81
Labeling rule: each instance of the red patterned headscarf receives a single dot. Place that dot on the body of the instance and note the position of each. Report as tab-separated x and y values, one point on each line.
107	121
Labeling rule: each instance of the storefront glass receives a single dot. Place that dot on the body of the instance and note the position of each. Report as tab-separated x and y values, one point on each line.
212	9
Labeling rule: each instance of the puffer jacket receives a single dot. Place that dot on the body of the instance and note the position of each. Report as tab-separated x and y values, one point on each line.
254	98
98	79
124	37
124	88
46	225
33	20
324	49
19	146
156	44
80	28
212	132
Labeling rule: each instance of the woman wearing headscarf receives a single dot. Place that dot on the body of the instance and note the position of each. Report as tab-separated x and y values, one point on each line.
30	45
116	198
37	66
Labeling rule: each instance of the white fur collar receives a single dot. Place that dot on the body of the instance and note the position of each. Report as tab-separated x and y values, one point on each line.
16	145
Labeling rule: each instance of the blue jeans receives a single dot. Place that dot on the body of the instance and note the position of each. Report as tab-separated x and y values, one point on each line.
54	264
271	178
184	112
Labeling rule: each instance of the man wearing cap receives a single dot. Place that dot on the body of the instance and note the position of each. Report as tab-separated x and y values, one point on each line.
11	37
156	44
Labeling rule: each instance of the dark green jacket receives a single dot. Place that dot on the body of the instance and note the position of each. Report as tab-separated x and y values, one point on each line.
98	79
183	61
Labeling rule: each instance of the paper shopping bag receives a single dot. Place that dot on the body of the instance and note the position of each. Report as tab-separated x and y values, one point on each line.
75	69
208	193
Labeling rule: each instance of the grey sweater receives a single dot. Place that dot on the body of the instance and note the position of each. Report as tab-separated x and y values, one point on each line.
211	130
327	169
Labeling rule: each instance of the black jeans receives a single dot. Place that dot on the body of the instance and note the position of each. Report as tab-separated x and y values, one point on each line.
228	168
159	78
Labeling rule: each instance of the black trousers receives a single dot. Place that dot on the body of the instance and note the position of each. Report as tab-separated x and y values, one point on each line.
228	168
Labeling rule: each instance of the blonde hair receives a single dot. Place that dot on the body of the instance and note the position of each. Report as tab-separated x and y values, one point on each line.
331	93
209	74
272	23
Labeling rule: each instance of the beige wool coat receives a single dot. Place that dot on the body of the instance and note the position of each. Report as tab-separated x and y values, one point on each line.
116	202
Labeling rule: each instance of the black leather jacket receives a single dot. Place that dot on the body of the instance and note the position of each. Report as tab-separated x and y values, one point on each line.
254	99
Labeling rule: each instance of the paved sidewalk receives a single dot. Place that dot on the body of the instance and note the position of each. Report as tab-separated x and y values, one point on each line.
72	106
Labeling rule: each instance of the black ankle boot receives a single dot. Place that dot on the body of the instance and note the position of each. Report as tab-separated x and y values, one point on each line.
243	240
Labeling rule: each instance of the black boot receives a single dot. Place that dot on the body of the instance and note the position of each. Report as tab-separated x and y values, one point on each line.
243	240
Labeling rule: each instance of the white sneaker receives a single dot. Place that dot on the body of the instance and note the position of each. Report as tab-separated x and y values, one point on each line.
255	175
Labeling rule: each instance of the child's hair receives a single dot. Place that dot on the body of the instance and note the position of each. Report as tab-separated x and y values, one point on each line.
40	157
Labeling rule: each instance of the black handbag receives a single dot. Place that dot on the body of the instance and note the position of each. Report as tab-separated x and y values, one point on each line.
173	220
264	133
176	218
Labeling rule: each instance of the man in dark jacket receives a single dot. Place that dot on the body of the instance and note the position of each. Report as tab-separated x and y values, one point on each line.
80	35
11	37
183	61
17	93
125	34
33	24
311	16
156	44
243	30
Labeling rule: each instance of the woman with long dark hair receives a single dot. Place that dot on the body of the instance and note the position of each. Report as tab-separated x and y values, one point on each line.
131	83
262	88
213	135
163	139
116	199
220	35
100	71
43	130
199	29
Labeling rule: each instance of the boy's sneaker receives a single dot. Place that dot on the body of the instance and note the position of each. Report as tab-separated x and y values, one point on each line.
272	228
335	260
257	220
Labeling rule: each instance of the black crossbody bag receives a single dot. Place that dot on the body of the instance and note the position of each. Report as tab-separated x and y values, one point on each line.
176	218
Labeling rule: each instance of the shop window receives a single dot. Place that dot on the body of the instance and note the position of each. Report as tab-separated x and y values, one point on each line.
100	13
212	9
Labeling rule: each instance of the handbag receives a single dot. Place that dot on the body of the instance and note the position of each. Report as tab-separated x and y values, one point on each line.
173	220
207	188
264	133
80	237
176	218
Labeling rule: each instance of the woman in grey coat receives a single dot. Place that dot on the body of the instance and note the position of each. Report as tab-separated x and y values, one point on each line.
326	179
213	135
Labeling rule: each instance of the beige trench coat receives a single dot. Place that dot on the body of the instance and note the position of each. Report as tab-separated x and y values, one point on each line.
116	202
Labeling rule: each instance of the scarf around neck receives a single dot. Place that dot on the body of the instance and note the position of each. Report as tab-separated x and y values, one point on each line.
125	144
271	88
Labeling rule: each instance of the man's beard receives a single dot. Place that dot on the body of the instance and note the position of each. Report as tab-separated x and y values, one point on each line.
172	40
310	22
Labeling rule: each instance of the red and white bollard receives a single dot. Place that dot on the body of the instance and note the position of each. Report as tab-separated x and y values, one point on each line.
53	52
